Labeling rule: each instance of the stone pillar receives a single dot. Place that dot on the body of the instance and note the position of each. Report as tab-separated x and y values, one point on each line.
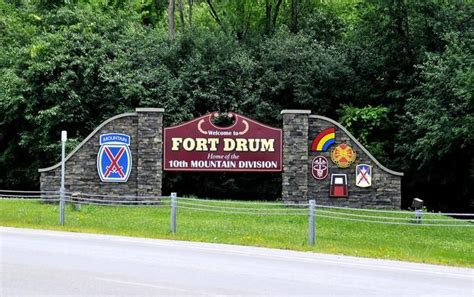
150	151
295	156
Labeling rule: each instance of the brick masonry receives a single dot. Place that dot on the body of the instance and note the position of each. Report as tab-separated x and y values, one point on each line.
298	183
145	129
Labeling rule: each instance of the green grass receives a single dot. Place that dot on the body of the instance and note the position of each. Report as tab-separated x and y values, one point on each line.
438	245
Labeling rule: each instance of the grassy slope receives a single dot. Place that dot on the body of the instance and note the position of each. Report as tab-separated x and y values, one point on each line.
439	245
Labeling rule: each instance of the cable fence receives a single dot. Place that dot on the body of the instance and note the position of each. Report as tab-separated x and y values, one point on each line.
252	208
391	211
389	218
221	201
259	213
138	197
413	223
28	194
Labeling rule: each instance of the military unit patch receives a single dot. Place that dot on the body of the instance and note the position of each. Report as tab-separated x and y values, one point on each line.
338	186
363	175
320	167
343	155
114	160
323	140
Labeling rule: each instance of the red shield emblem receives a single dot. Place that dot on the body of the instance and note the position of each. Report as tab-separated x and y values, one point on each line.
319	167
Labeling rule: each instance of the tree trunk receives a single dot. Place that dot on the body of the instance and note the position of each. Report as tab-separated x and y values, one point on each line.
268	17
275	14
171	28
190	3
181	13
214	13
294	16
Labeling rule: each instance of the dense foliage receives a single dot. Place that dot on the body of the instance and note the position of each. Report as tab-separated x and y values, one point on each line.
398	74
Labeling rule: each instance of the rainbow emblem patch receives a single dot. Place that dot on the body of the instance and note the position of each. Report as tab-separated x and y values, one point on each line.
324	140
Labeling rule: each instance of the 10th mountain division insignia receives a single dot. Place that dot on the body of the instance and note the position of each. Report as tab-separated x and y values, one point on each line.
114	160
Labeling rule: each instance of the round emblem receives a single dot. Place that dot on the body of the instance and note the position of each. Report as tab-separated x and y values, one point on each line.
319	167
343	155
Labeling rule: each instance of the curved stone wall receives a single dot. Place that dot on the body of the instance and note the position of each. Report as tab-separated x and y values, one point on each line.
145	130
299	185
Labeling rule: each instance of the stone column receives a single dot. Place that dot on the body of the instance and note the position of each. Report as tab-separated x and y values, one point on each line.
150	151
295	156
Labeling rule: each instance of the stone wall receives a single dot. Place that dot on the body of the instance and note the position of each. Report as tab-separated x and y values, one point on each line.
385	191
295	156
145	130
150	152
145	127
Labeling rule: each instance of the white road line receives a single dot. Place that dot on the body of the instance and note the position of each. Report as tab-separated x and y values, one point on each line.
145	285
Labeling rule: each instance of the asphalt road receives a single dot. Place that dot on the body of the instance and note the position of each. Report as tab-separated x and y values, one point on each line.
49	263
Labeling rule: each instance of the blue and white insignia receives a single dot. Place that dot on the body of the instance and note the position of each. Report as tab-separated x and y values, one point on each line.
363	175
114	161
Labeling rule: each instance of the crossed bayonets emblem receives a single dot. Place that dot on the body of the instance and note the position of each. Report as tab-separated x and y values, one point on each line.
114	167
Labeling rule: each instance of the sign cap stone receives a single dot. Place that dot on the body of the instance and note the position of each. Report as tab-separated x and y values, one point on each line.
295	111
149	109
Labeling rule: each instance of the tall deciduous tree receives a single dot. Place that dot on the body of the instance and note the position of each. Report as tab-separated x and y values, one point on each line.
294	16
171	20
438	131
272	9
71	65
181	13
190	13
213	12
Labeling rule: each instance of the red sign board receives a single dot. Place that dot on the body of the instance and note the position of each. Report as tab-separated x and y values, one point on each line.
199	145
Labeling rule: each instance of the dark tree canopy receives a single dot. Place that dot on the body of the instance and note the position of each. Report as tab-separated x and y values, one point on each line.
398	74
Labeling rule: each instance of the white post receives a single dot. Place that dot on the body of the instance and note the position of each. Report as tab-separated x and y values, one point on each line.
174	200
418	215
75	197
62	190
312	231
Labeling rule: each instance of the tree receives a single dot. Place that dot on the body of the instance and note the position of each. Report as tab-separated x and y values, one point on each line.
272	9
171	22
386	68
295	70
366	123
438	133
190	13
77	68
294	16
